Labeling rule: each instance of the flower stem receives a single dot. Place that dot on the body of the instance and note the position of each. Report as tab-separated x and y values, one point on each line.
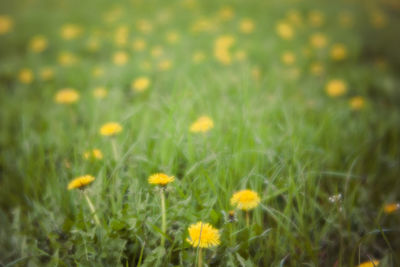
114	148
247	219
200	258
164	217
92	209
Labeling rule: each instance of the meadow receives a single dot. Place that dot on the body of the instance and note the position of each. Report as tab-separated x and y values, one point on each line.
200	133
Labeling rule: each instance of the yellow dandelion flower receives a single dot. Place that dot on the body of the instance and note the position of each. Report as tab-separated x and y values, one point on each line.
140	84
46	73
160	179
318	40
198	57
100	92
144	26
221	49
285	31
374	263
120	58
139	45
67	58
93	154
226	13
202	124
6	24
316	68
390	208
335	88
316	18
246	26
67	96
165	64
338	52
121	36
38	44
25	76
110	129
357	102
288	58
80	182
245	200
70	31
203	235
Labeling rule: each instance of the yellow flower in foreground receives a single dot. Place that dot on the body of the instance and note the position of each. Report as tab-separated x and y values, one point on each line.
38	44
93	154
99	92
284	30
318	40
46	73
120	58
338	52
80	182
25	76
140	84
390	208
70	31
245	199
67	96
203	235
357	102
288	58
373	263
160	179
335	88
202	124
6	24
110	129
246	26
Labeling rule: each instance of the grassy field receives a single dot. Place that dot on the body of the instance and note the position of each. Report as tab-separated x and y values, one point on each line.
298	101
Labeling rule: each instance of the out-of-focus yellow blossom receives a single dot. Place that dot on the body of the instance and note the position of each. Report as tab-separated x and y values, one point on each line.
294	17
6	24
120	58
316	68
38	43
245	200
285	30
112	15
226	13
335	88
100	92
121	36
66	96
288	58
140	84
110	129
316	18
139	44
80	182
97	71
221	48
157	51
392	207
198	56
374	263
144	26
67	58
357	102
25	76
202	125
71	31
203	25
172	37
345	19
338	52
93	154
161	179
46	73
165	64
318	40
246	25
203	235
378	19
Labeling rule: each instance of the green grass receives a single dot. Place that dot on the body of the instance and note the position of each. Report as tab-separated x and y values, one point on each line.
279	135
